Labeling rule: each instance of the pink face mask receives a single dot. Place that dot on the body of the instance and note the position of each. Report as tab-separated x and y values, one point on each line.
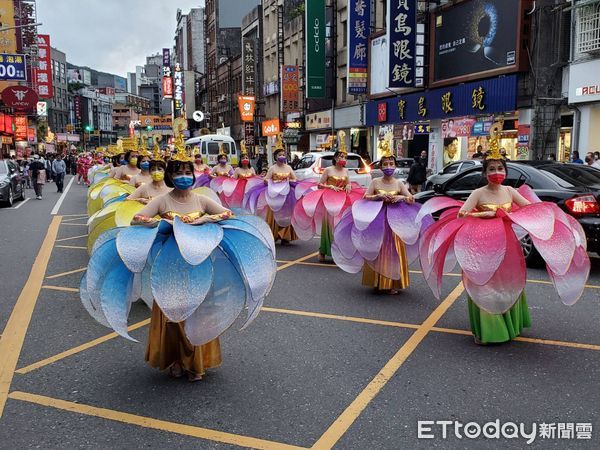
497	178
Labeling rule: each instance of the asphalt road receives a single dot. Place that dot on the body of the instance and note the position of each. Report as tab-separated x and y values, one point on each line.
328	363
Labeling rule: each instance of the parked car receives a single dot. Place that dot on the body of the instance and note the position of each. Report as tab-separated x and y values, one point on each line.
402	168
573	187
12	184
449	171
313	164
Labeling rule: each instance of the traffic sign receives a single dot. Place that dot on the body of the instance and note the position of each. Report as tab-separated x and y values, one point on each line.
198	116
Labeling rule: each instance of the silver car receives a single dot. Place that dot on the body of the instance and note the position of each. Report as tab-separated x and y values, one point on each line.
401	172
449	171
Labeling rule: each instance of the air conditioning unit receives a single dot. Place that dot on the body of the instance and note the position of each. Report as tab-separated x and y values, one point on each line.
208	40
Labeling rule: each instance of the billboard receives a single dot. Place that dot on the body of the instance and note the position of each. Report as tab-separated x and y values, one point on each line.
476	39
249	66
315	48
246	107
379	64
359	29
13	67
81	76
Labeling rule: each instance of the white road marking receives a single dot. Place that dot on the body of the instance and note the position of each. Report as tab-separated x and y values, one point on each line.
21	203
62	198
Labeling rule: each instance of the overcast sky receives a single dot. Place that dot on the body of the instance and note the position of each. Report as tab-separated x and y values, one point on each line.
110	35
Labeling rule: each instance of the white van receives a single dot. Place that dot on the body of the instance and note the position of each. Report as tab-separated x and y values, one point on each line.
209	146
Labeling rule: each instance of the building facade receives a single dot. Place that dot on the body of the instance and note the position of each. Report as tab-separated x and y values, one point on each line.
58	105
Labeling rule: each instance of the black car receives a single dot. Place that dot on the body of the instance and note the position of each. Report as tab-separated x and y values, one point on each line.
12	184
573	187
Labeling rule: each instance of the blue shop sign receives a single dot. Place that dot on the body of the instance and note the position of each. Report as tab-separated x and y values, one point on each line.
492	96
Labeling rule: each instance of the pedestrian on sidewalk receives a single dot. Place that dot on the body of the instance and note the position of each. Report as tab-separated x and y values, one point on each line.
38	176
49	174
59	168
417	175
27	174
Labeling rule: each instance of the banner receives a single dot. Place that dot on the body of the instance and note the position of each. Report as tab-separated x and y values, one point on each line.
402	30
246	106
460	127
523	142
249	66
43	73
315	48
290	89
359	29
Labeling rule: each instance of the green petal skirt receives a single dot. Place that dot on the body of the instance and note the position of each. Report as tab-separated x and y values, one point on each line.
326	237
496	328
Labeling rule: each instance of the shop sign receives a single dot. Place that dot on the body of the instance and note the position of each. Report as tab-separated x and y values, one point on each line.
166	57
382	112
7	140
499	95
21	128
460	127
167	87
178	90
315	48
523	142
43	73
482	128
246	107
249	133
290	89
401	31
156	122
270	127
249	66
20	98
422	128
359	29
318	121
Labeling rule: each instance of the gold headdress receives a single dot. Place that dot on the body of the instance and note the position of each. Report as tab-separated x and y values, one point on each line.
156	153
120	147
342	143
144	145
128	144
243	149
385	146
494	141
279	143
182	152
112	150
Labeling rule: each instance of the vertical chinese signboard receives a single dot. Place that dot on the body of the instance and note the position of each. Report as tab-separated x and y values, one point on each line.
315	49
402	24
290	89
20	128
249	66
359	26
178	91
43	73
167	81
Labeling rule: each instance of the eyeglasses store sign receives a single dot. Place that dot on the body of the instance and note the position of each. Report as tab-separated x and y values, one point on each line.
584	82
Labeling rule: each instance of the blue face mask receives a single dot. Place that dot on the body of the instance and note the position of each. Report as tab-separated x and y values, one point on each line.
183	182
145	165
106	160
123	162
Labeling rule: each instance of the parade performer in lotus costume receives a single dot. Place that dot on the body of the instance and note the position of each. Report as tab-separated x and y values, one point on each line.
379	234
321	205
274	198
199	265
231	190
143	163
483	234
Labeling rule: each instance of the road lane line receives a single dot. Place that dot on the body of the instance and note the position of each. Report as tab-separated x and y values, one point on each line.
60	288
75	224
297	261
384	323
61	199
341	425
14	333
71	238
151	423
21	204
73	247
78	349
64	274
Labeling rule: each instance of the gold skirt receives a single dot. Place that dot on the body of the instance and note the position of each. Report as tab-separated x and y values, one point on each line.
283	233
378	281
167	344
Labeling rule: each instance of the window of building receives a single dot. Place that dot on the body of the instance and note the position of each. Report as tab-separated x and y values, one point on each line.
588	28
